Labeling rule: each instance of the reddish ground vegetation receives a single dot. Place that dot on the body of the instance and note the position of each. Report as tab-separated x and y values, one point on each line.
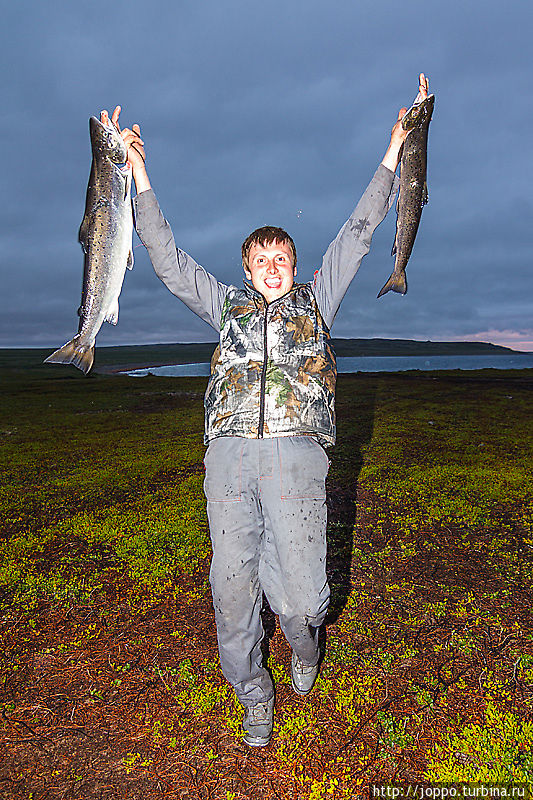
81	719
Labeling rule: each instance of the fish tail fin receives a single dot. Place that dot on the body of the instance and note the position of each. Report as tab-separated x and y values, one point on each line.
397	283
73	352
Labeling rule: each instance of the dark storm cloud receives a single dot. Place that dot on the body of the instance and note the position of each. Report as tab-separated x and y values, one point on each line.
278	113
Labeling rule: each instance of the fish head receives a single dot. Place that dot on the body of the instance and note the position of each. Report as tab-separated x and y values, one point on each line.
107	141
419	114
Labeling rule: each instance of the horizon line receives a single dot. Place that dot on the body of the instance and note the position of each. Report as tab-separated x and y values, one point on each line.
513	345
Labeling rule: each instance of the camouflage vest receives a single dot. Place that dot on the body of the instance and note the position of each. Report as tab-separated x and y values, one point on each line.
273	372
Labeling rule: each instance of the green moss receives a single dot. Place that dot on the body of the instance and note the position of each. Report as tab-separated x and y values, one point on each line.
99	475
151	540
498	750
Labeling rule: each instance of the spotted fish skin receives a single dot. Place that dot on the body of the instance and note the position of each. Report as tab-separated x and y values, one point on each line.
105	236
413	192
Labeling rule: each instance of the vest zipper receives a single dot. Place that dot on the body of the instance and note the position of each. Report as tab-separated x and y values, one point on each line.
261	426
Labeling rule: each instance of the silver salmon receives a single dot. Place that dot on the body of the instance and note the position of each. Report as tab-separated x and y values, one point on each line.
413	194
106	238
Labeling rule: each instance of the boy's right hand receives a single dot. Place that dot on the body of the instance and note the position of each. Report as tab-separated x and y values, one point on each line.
134	143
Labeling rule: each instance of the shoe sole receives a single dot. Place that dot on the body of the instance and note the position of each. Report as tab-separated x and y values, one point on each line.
299	691
256	741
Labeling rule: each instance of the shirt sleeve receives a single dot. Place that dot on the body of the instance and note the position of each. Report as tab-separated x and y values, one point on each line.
200	291
345	253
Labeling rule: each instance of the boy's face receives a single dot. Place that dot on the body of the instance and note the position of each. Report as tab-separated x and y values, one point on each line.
271	269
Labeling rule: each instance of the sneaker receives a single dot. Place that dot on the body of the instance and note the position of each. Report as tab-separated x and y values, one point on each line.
303	677
257	723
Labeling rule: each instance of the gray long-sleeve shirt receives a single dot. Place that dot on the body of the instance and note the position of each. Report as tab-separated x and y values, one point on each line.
204	295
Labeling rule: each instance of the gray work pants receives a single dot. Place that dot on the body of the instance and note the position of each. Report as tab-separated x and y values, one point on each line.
266	504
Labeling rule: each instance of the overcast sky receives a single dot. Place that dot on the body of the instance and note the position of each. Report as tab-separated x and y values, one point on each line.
273	112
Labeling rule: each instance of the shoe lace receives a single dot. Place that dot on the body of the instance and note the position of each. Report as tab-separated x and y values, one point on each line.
259	712
302	668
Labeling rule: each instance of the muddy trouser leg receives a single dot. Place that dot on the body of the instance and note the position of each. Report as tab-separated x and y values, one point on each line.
267	518
292	569
236	528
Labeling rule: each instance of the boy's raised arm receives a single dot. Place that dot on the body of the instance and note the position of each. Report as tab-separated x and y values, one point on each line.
197	288
344	255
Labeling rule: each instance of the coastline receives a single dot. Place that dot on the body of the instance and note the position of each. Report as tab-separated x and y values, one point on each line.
116	359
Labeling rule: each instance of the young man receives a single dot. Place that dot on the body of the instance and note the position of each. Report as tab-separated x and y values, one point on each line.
269	414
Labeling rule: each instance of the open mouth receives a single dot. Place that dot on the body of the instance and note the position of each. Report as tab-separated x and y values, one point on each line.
273	283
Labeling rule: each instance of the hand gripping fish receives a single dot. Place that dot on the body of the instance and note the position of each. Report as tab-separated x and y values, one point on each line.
413	194
106	238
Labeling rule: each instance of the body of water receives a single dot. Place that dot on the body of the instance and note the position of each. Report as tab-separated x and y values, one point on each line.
373	364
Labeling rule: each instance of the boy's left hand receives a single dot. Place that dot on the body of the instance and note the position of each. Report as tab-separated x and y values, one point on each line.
398	134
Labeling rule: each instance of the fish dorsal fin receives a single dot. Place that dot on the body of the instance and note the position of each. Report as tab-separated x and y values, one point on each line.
129	262
112	314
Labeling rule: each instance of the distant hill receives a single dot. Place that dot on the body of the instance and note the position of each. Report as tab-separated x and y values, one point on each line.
161	354
409	347
199	352
154	355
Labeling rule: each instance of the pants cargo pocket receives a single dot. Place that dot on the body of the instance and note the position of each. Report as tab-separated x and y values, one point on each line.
223	469
303	466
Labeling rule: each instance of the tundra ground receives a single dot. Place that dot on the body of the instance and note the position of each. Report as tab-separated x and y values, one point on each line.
110	685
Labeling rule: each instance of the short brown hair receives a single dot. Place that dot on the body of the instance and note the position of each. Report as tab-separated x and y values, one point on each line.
264	236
